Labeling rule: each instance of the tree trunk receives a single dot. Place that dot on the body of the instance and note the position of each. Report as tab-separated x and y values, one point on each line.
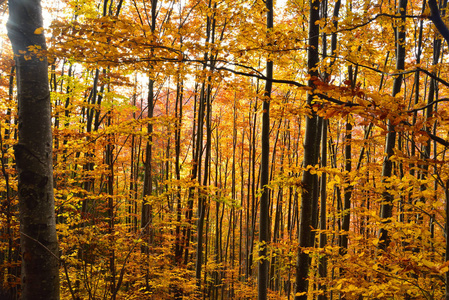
148	176
264	235
387	168
309	181
39	245
446	229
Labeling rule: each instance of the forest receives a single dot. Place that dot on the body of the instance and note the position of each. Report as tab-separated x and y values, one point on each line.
220	149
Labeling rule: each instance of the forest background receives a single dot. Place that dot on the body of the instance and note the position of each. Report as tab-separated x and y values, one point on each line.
235	150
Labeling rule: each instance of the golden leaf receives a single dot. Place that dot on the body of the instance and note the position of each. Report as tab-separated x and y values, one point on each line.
39	30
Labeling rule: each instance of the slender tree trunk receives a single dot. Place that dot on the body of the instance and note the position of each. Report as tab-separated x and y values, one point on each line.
322	268
387	168
178	117
233	196
446	229
39	245
7	195
110	188
346	210
197	145
264	229
202	201
88	184
148	178
309	181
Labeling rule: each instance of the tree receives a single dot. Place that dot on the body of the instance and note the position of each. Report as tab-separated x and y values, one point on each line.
164	122
33	152
311	153
264	222
387	167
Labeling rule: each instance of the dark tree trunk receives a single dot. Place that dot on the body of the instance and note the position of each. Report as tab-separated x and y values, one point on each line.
264	228
446	229
148	178
309	181
178	117
147	214
387	168
39	245
346	209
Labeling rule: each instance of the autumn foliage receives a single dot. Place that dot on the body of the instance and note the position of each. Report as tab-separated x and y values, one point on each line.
157	124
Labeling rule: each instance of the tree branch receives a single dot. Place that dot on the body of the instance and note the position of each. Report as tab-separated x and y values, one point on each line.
437	21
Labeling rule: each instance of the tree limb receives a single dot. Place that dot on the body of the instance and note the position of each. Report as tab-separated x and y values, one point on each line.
437	21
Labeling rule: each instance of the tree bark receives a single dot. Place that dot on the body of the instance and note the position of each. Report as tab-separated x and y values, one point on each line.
264	228
39	245
148	176
437	21
387	168
309	181
446	229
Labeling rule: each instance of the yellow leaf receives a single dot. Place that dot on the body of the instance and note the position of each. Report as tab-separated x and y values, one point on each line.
337	179
39	30
427	12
